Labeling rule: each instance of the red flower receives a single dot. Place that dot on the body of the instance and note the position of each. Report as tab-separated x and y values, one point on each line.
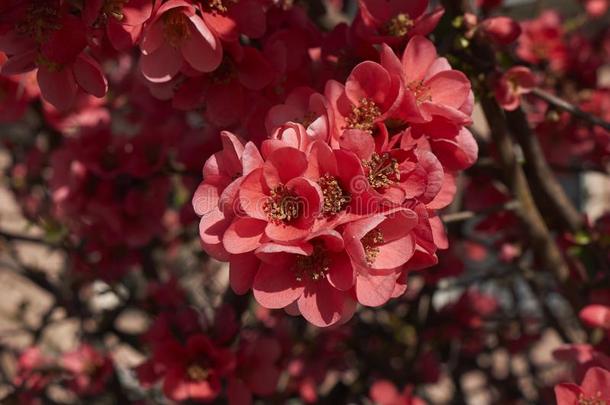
16	95
489	4
383	392
123	19
177	34
432	92
54	42
90	370
370	92
315	275
514	83
33	370
502	30
256	371
228	19
328	214
278	201
594	389
378	247
302	105
596	8
215	197
193	371
392	175
383	21
542	41
597	316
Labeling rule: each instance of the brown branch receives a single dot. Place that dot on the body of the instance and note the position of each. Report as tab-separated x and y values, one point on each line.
548	193
544	247
466	215
571	108
25	238
567	334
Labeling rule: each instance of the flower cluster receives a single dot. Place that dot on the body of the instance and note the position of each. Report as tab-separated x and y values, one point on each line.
195	359
339	204
86	370
390	173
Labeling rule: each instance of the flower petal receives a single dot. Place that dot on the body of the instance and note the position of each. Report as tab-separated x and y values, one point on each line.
276	287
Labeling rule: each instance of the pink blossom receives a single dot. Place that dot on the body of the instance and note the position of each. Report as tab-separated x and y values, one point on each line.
175	35
90	370
513	84
595	386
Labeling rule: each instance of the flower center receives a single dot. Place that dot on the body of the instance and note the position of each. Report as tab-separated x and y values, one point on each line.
335	198
540	49
382	170
363	116
282	205
41	17
92	367
48	64
176	27
420	91
399	25
114	8
284	4
217	6
314	267
597	400
197	373
307	119
371	242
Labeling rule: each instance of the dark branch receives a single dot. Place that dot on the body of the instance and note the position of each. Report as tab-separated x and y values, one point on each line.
571	108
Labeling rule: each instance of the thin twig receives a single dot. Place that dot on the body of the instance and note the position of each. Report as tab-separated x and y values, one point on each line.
571	108
466	215
25	238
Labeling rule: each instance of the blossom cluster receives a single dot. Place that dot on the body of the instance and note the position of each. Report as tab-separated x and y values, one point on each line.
196	360
339	204
186	168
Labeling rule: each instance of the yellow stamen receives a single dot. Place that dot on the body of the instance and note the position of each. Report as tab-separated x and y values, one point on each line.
363	116
175	27
399	25
371	242
335	198
383	170
282	206
314	267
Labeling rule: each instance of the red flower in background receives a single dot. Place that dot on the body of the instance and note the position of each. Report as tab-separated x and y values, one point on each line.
596	316
256	369
542	41
391	22
489	4
33	368
90	370
596	8
594	389
123	20
46	37
514	83
17	92
383	392
192	371
175	35
502	30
